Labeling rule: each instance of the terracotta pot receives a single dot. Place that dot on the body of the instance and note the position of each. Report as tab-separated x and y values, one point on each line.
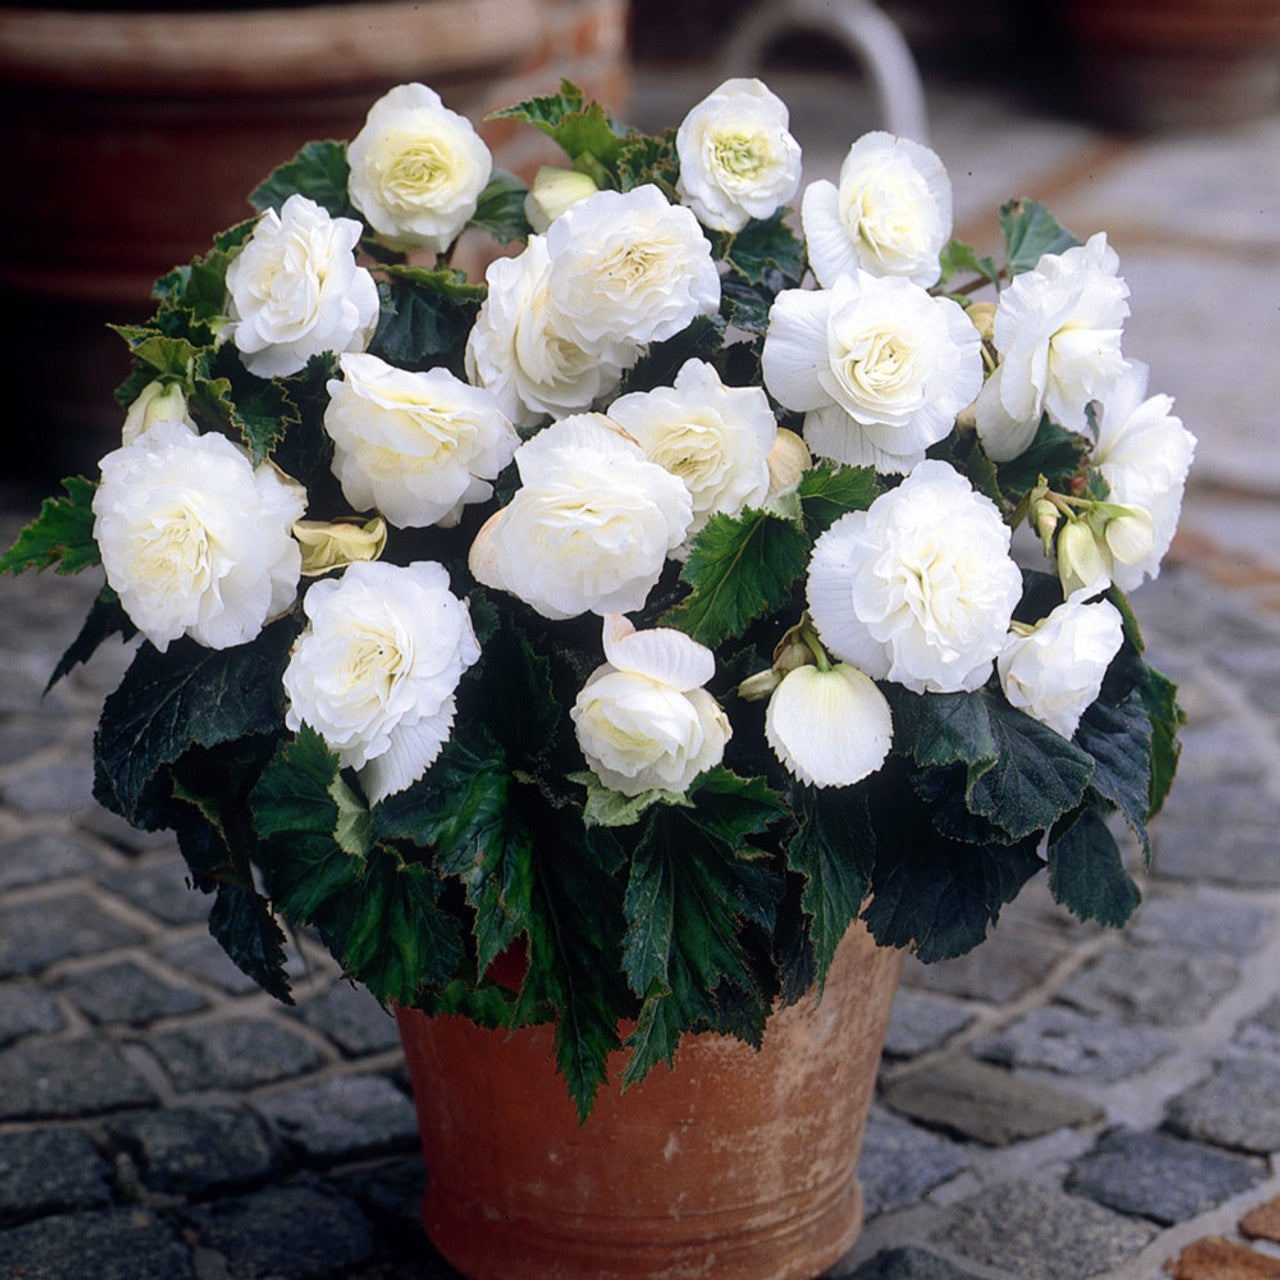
735	1164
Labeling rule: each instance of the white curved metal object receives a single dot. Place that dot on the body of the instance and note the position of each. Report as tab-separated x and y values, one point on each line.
858	25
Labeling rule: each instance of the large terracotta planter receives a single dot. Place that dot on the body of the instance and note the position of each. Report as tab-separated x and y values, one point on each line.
735	1164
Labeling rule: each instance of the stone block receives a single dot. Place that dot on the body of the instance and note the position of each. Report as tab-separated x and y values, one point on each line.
1262	1222
106	1244
127	993
25	1011
198	1151
1071	1043
391	1194
1008	964
901	1164
921	1022
45	1171
1162	986
42	857
1039	1233
1213	1258
62	788
1238	1106
233	1055
72	924
1160	1177
911	1263
1224	834
160	888
344	1118
1261	1033
47	1079
985	1103
352	1019
1200	924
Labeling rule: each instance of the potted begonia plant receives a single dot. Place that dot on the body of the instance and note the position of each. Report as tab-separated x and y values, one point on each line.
622	661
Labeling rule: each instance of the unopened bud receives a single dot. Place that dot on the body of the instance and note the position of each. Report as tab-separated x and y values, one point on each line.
792	651
983	316
157	402
788	460
553	191
326	546
1131	537
1084	561
1045	516
759	686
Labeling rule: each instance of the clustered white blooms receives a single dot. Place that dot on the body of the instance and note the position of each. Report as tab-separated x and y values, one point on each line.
194	541
643	720
375	671
919	589
296	291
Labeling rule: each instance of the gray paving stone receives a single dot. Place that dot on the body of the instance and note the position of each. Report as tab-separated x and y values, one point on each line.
41	1079
1007	965
160	889
911	1263
42	857
901	1164
1201	924
344	1118
72	924
115	830
300	1232
63	787
1224	834
1160	1177
45	1171
1037	1233
995	1107
25	1011
106	1244
127	993
202	958
1162	986
1261	1033
352	1019
921	1022
22	736
390	1192
233	1055
198	1151
1072	1043
1238	1106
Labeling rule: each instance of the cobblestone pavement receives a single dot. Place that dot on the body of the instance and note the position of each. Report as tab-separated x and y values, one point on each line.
1065	1103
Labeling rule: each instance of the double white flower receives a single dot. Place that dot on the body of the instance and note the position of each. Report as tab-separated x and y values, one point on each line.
296	291
878	367
919	588
643	719
1058	331
591	526
376	669
417	446
737	159
194	540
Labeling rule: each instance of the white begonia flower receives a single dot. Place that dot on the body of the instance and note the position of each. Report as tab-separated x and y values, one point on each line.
417	446
919	588
737	160
828	728
1055	673
194	541
878	367
417	169
553	191
629	269
1085	562
520	350
296	291
889	215
716	439
1144	453
375	671
1058	331
158	401
590	527
643	720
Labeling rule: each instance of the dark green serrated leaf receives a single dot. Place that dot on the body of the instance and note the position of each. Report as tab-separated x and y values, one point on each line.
500	209
659	366
958	257
1037	776
61	535
731	808
319	171
262	414
740	568
766	243
106	618
834	849
744	305
415	325
517	679
942	728
169	357
830	490
446	281
1160	699
242	922
643	159
189	695
1029	231
1119	740
1056	454
962	453
1086	872
580	128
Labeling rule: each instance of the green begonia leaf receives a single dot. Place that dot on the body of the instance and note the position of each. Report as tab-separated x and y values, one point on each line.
643	159
446	281
61	535
168	357
834	849
581	128
319	171
740	568
1086	873
764	244
959	258
830	490
1119	740
418	324
241	921
1159	697
659	366
942	728
500	210
1056	454
1029	231
106	618
606	808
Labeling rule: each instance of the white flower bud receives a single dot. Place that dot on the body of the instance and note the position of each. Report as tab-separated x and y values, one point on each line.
1084	562
1131	538
158	401
327	546
553	191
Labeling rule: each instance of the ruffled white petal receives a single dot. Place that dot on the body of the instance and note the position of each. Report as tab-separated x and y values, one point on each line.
661	653
795	351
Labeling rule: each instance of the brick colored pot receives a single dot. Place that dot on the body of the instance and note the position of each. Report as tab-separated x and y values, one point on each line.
735	1165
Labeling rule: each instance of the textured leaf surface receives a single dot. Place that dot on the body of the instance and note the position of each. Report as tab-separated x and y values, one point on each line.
242	922
106	618
1029	231
319	171
500	209
830	490
61	535
1087	875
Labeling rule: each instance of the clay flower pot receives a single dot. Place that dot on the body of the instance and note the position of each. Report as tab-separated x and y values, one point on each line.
735	1164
